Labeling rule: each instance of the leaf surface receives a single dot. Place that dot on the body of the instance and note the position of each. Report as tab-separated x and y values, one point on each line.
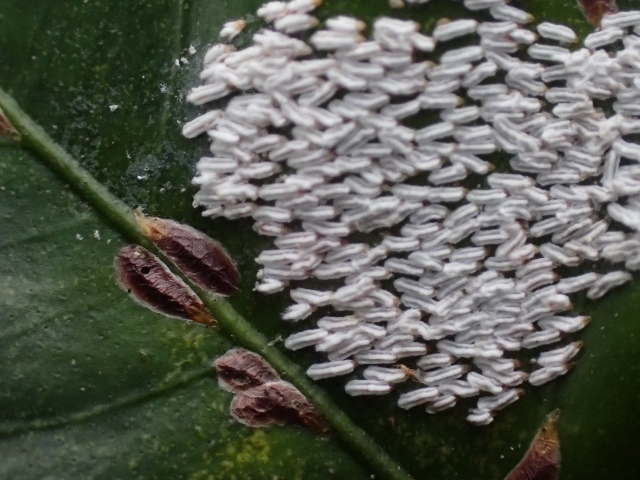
94	386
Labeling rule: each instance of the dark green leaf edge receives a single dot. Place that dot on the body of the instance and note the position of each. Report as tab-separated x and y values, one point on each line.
232	324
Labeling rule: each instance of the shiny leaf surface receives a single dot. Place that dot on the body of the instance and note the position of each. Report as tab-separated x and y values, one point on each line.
94	386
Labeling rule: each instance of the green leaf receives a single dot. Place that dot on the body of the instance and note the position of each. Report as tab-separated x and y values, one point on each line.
94	386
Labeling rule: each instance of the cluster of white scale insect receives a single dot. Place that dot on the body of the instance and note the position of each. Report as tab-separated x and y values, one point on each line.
313	147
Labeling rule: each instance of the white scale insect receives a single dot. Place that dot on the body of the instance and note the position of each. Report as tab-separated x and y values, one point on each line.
347	162
231	30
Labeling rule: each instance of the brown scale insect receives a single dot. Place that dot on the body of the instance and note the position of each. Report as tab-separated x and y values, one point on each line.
152	284
239	370
200	258
542	460
594	10
276	403
262	397
7	129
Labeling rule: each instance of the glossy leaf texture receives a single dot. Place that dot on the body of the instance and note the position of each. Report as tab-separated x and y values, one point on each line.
95	386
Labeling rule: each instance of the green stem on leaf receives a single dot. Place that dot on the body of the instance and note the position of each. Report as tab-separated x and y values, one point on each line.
231	322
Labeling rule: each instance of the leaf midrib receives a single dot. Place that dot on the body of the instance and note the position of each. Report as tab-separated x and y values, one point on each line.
232	324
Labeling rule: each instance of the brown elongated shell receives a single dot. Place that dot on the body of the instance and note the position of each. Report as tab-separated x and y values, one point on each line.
239	370
542	460
276	403
152	284
594	10
7	129
198	256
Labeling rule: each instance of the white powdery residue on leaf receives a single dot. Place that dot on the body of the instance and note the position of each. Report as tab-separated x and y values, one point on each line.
315	147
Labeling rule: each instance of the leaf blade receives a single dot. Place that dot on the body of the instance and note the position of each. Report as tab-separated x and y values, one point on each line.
229	320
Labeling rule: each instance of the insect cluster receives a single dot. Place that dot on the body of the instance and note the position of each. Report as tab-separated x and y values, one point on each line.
261	397
152	284
316	145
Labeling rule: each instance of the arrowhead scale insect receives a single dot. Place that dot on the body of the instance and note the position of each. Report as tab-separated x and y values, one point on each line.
203	260
239	370
542	460
7	129
262	398
152	284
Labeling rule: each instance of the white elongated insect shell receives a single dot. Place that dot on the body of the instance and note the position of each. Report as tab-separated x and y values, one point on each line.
603	37
500	401
441	403
330	369
217	53
510	379
620	20
546	374
508	13
404	267
422	42
349	348
522	35
459	388
462	55
417	397
334	340
400	244
547	52
531	282
395	26
479	73
270	229
367	387
627	216
543	337
559	356
575	284
484	383
435	360
411	349
297	312
558	255
439	375
560	33
503	45
345	24
270	285
391	340
271	10
357	290
305	339
389	375
456	28
303	6
495	29
338	323
482	4
207	93
481	92
375	357
201	124
479	417
231	30
607	282
312	297
564	324
334	40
